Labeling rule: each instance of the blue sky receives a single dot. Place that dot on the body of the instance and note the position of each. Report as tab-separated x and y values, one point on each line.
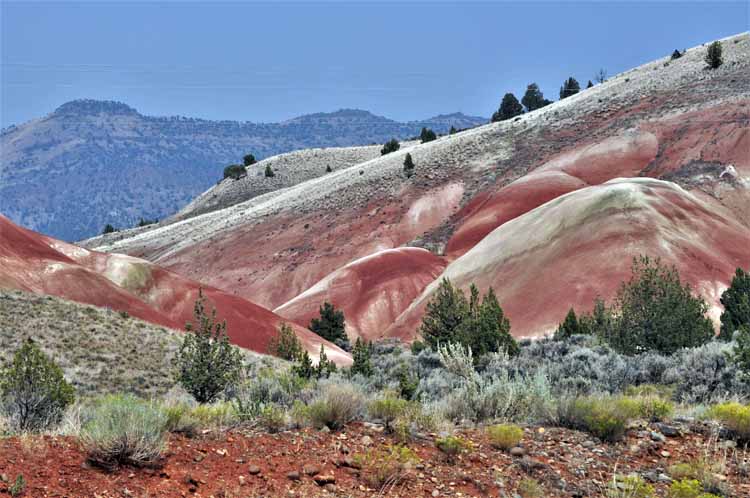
272	61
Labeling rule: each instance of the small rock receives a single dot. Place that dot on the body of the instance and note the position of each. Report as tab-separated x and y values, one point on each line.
3	477
242	480
435	493
293	475
655	436
517	451
669	430
199	458
665	454
588	444
366	440
664	478
323	479
222	452
253	470
311	470
330	487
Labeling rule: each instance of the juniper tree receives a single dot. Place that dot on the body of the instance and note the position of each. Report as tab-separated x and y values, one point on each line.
569	87
655	311
736	302
235	171
304	367
714	57
601	76
33	391
533	99
286	345
325	366
509	108
108	228
453	130
676	54
391	145
427	135
328	168
361	362
569	327
589	84
207	363
486	329
331	325
248	160
444	314
269	171
408	166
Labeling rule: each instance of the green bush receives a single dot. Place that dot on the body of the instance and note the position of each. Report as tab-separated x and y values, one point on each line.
735	417
388	408
391	145
530	488
603	417
272	418
33	391
632	486
453	446
18	486
386	468
207	363
124	430
714	57
505	436
235	171
336	407
688	488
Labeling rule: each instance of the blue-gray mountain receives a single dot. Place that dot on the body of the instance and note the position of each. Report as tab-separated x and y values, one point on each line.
91	162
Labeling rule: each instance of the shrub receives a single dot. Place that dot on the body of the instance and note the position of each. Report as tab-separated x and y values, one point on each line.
453	446
331	325
505	436
530	488
286	345
569	87
18	486
272	418
632	486
33	391
207	363
509	108
714	57
235	171
217	415
248	160
427	135
735	417
124	430
269	171
602	417
336	407
700	470
408	166
391	145
656	311
386	468
736	302
687	488
388	408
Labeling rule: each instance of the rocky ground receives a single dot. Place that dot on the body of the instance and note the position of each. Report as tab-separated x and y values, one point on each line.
310	463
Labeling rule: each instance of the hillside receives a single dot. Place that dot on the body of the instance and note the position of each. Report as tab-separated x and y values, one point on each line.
90	163
42	265
675	121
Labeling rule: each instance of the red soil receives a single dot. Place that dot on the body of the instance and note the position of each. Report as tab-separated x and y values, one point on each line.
371	291
563	462
36	263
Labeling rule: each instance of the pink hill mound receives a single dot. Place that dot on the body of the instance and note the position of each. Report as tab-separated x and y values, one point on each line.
580	246
371	291
35	263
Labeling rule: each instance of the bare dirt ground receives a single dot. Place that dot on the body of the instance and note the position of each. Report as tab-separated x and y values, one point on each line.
311	463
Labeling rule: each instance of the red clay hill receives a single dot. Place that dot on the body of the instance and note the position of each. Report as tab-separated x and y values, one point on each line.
35	263
531	206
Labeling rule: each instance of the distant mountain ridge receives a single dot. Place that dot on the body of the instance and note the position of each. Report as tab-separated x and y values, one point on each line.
93	162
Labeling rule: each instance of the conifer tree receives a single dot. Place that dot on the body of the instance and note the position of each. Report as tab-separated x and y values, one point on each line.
570	87
331	325
286	345
269	171
391	145
248	160
676	54
361	354
325	366
736	302
453	130
304	367
714	57
569	326
589	84
408	166
427	135
444	315
509	108
533	99
207	363
328	168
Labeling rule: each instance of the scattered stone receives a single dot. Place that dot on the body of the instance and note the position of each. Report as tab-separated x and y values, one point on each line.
199	458
588	444
242	480
517	451
323	479
665	454
293	475
311	470
253	470
656	436
669	430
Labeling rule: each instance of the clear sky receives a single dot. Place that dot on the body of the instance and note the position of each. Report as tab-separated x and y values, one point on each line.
272	61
